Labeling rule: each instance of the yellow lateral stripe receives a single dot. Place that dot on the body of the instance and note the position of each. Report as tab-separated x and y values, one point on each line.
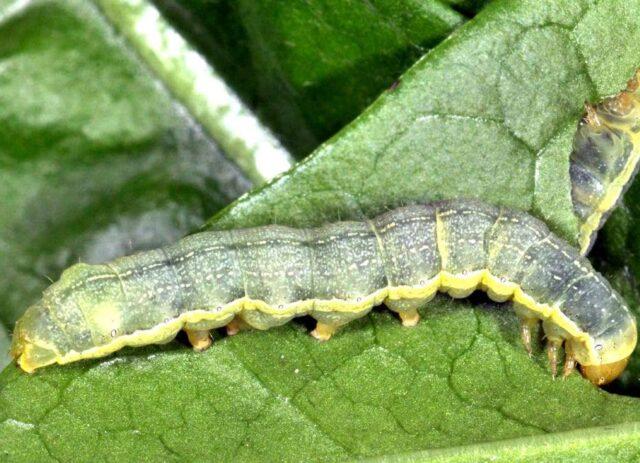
608	201
481	278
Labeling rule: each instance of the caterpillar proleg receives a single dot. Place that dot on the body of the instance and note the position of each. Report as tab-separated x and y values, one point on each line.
265	276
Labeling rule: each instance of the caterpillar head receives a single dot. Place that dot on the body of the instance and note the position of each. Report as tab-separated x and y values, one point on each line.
621	108
604	373
610	353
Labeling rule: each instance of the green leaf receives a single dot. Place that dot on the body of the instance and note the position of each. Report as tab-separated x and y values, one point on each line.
208	98
468	7
375	389
603	444
489	113
309	67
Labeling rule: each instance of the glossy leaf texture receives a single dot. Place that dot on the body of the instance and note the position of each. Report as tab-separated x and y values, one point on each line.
377	389
309	67
489	113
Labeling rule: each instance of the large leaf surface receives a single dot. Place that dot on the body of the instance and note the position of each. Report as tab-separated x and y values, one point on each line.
489	113
309	67
377	389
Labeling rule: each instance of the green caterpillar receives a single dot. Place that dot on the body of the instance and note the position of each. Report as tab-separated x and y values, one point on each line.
263	277
336	273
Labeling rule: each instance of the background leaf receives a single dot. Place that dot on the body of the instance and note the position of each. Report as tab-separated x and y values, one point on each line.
309	67
96	158
199	88
489	113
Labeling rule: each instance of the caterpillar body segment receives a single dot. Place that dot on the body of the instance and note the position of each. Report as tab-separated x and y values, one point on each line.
604	159
263	277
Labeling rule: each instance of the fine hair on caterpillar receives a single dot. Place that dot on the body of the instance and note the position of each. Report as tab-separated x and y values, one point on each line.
265	276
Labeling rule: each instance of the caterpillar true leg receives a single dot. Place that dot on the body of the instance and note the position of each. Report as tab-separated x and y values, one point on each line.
526	325
569	364
591	115
553	346
199	339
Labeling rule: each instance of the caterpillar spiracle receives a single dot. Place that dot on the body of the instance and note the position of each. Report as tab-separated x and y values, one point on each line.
265	276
